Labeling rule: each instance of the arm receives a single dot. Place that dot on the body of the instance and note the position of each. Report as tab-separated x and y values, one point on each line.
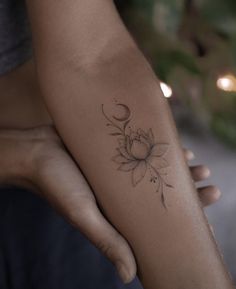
22	150
87	64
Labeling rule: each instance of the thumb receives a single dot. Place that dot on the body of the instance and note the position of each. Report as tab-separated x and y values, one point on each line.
64	186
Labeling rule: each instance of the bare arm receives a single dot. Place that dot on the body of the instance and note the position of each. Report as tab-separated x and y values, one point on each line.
87	65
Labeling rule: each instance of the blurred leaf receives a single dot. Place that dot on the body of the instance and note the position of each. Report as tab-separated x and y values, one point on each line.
146	6
168	15
168	60
220	13
233	48
224	126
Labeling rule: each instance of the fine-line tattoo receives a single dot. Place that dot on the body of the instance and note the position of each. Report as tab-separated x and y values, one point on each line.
137	151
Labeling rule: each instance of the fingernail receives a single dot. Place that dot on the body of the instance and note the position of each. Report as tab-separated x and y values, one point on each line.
206	172
190	155
217	194
123	273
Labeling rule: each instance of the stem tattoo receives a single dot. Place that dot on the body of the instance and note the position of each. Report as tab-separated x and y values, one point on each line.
137	151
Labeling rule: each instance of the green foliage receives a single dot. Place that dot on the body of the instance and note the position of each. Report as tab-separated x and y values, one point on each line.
159	39
168	16
169	60
196	38
220	13
222	16
225	128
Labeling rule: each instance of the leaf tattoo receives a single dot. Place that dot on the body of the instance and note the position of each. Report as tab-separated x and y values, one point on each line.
137	152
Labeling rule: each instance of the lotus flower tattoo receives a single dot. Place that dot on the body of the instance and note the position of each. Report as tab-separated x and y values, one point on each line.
138	152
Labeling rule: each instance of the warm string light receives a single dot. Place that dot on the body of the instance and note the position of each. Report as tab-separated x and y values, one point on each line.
166	89
227	82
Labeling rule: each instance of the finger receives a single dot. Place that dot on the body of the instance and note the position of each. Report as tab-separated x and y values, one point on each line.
189	155
209	195
68	191
199	173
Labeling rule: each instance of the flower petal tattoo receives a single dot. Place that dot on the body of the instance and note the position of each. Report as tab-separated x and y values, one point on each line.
137	151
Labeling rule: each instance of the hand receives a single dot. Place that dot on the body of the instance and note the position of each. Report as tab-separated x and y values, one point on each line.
37	159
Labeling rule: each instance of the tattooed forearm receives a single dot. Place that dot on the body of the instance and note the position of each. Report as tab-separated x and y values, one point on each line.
138	152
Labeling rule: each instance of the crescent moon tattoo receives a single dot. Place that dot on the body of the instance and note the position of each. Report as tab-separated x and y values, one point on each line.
126	113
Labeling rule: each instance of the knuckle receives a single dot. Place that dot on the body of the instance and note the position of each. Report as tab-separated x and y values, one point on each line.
78	214
111	247
106	248
82	211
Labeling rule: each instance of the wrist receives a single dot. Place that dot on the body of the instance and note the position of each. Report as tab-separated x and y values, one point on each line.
17	156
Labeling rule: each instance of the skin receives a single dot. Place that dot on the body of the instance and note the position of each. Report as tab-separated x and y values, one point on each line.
34	156
78	77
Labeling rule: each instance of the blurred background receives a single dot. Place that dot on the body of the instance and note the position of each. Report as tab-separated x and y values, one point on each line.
191	45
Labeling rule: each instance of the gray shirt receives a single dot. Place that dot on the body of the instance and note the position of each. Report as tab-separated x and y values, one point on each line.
15	36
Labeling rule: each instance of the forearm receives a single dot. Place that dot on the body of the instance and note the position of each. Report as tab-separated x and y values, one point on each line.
173	245
165	241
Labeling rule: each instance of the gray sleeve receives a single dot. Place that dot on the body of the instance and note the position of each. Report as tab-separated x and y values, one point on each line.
15	36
